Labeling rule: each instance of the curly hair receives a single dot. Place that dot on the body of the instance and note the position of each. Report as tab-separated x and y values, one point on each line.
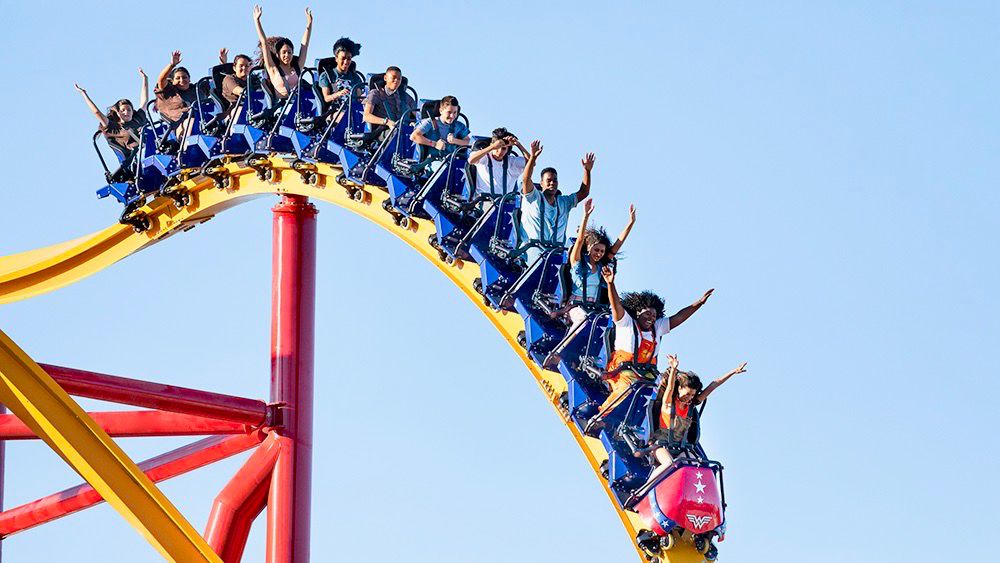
596	235
635	301
274	44
346	44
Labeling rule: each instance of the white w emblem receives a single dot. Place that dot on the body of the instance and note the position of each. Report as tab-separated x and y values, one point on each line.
698	521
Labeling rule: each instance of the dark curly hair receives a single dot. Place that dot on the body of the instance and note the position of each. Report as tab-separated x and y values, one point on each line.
346	44
597	236
635	301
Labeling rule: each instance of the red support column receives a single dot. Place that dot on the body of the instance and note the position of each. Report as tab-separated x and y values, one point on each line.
293	298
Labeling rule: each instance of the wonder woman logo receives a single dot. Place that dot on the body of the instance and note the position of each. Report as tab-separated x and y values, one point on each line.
698	521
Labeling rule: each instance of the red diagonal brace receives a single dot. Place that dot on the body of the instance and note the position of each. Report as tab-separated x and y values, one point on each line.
240	502
129	424
159	468
158	395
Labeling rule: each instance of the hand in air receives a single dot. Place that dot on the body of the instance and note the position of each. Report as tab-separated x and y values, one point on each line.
536	149
631	213
705	297
608	274
741	369
588	161
79	88
142	73
588	206
309	17
223	55
672	361
257	12
175	58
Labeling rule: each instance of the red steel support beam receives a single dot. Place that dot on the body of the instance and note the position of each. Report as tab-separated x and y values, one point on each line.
293	298
240	502
159	468
128	424
158	396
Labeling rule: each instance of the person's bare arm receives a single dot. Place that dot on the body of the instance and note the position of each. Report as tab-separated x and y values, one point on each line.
617	311
684	314
270	65
476	156
576	253
370	117
669	381
588	165
304	46
143	90
458	141
93	107
161	81
718	382
329	95
418	138
517	143
527	185
624	234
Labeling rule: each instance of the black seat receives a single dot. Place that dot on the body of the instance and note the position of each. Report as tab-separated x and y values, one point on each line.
219	73
328	66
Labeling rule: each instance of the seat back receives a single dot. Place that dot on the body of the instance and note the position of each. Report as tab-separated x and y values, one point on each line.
218	74
260	98
116	149
378	81
206	106
565	283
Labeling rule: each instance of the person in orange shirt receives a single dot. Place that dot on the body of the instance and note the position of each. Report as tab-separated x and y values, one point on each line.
639	326
681	393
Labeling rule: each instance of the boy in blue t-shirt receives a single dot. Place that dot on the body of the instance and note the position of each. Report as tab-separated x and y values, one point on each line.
444	134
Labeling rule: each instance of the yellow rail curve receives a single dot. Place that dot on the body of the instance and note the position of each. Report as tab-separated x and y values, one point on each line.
39	271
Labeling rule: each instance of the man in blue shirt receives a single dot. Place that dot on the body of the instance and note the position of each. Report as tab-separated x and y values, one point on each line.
545	215
443	134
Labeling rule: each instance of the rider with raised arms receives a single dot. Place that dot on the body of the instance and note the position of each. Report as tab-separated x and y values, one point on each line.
545	213
639	326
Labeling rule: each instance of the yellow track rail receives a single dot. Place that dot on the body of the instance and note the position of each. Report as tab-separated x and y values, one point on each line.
42	404
36	272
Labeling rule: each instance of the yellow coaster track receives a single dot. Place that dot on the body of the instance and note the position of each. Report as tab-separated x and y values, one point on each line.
39	271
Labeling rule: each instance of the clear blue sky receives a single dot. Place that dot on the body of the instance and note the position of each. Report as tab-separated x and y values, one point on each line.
829	167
